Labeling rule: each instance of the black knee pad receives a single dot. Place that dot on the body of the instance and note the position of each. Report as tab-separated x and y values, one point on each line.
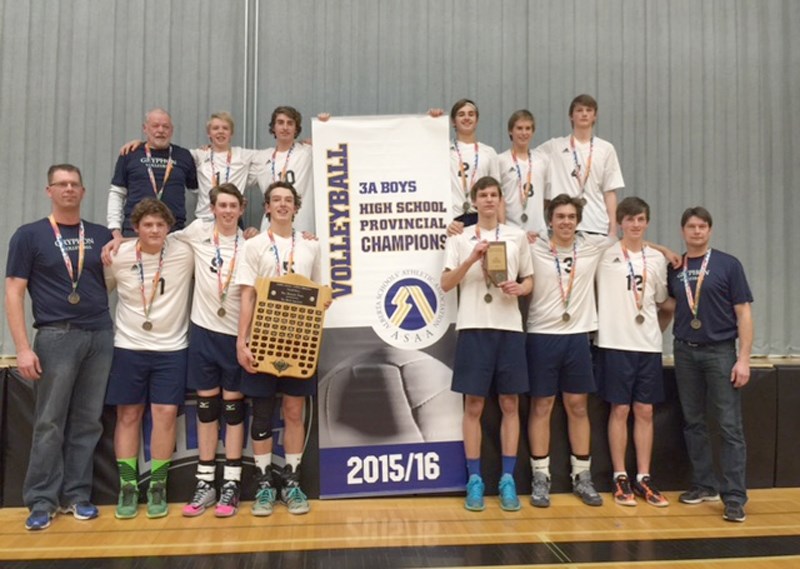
261	425
208	409
234	411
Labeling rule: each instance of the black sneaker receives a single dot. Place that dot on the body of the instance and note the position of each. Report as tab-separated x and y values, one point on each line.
696	495
734	512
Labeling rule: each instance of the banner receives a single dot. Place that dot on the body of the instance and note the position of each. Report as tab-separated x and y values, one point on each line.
389	423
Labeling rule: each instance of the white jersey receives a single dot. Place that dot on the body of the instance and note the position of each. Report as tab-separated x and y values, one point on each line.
260	258
243	172
169	311
208	273
617	310
546	312
299	173
605	175
514	180
461	186
502	313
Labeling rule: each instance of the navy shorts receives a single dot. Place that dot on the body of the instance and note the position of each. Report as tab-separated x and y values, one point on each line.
212	361
559	363
268	385
625	376
490	361
147	377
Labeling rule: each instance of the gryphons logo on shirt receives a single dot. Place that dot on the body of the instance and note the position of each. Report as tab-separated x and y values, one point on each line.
410	310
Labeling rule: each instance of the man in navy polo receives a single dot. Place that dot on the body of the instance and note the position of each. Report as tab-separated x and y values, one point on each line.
712	309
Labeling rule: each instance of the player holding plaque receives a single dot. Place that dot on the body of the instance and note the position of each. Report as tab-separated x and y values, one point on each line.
561	315
277	251
486	261
631	287
152	278
712	309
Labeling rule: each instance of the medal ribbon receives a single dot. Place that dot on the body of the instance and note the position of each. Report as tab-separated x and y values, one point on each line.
285	164
694	299
577	172
463	174
222	290
566	295
639	299
214	173
150	173
156	279
523	194
81	251
290	264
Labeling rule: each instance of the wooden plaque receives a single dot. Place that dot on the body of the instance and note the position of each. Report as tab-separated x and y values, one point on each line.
286	332
496	264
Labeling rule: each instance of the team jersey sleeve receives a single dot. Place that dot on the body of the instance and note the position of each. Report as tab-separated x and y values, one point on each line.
660	281
451	256
612	173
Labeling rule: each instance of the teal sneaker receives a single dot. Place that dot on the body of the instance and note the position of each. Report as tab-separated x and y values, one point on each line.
128	503
475	488
265	497
507	490
157	506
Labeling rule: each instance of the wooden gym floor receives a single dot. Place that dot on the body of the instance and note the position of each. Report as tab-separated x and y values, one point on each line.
422	532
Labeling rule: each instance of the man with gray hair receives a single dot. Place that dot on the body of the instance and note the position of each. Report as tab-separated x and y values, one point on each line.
157	169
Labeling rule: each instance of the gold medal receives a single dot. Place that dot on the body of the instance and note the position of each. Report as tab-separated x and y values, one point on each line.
640	319
147	325
221	312
487	298
696	324
466	206
74	298
524	217
565	317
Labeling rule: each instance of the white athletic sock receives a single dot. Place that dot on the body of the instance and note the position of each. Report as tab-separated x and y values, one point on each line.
541	465
205	472
640	476
263	462
293	460
618	474
579	466
232	473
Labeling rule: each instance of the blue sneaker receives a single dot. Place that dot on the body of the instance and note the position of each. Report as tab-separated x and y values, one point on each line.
82	511
509	501
38	520
475	487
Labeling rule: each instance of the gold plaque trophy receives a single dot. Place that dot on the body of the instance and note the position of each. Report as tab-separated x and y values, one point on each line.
496	264
286	333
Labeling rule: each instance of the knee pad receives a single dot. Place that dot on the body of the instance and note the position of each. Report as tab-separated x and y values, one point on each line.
261	425
208	409
234	411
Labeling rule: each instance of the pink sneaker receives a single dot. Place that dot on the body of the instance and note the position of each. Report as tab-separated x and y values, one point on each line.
228	503
204	496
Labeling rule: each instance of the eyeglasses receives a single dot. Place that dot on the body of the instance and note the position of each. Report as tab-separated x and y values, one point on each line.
65	185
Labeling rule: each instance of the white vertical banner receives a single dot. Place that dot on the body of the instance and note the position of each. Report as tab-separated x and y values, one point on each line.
388	420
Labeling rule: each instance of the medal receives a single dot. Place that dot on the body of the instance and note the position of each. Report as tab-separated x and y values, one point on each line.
73	297
290	262
152	176
487	298
282	176
222	289
566	294
463	174
523	187
576	173
638	299
694	299
147	306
